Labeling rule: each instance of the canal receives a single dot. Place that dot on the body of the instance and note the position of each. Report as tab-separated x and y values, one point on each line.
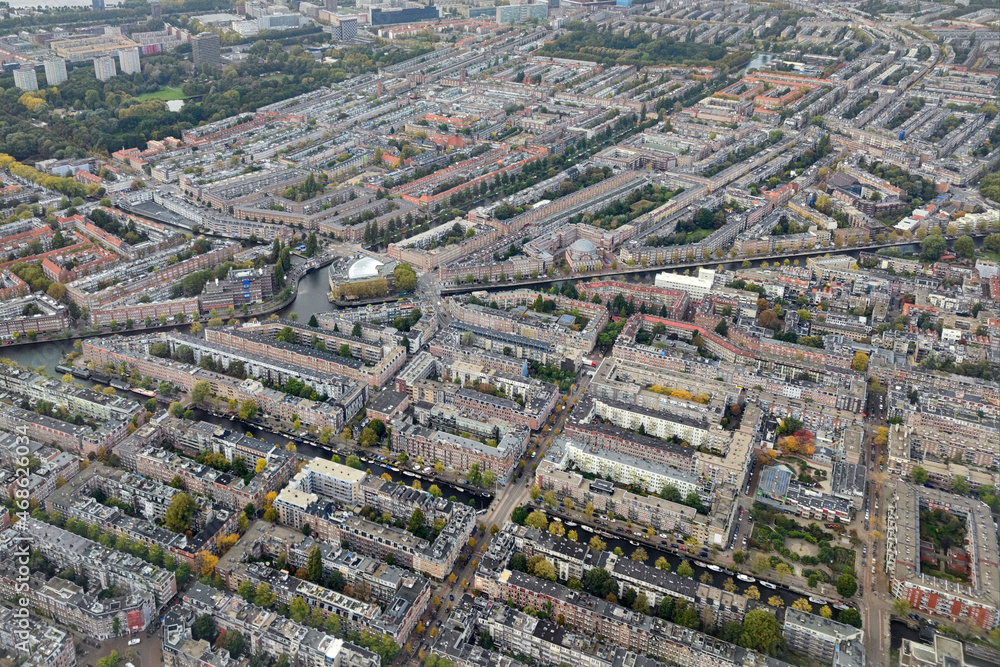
312	295
584	534
377	469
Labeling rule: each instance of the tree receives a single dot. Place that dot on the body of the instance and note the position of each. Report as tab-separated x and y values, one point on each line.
298	609
802	604
179	513
434	490
662	564
761	632
110	660
204	628
965	247
919	475
860	362
176	410
537	520
959	485
597	544
264	596
901	607
200	391
825	611
729	585
544	569
639	555
416	523
932	247
847	585
519	515
207	563
234	643
248	409
752	592
685	569
850	617
314	564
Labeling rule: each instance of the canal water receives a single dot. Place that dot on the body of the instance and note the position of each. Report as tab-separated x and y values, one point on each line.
308	450
718	578
312	295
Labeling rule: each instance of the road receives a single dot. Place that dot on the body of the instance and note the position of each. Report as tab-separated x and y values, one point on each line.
873	581
517	492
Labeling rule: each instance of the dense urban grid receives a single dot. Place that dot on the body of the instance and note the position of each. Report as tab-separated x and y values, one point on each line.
490	333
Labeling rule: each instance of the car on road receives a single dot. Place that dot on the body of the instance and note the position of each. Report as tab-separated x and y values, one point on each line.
133	642
451	597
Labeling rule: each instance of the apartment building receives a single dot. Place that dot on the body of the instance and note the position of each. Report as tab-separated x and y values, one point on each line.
340	483
975	603
102	566
68	604
81	439
822	638
459	453
48	645
266	632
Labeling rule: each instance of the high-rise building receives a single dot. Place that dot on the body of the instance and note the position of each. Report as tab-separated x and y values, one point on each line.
345	27
155	10
514	14
25	78
98	5
128	60
330	6
104	68
206	49
55	71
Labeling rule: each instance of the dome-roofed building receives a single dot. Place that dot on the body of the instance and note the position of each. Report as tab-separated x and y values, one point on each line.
583	255
364	268
352	271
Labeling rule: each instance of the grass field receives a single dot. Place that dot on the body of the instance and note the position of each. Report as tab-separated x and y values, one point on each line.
165	95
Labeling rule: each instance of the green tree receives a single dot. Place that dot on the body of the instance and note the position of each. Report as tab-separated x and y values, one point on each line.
416	523
176	410
200	391
965	247
685	569
248	409
234	643
932	247
179	513
264	596
298	609
204	628
761	632
314	565
919	475
537	520
110	660
847	585
850	617
959	485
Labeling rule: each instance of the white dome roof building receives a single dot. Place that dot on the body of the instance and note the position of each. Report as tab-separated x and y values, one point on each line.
358	270
583	255
364	268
